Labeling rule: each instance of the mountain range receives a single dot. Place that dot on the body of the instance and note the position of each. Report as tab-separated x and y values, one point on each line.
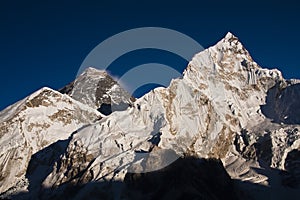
226	129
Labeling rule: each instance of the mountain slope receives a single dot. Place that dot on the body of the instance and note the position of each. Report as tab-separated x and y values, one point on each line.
224	107
32	124
213	111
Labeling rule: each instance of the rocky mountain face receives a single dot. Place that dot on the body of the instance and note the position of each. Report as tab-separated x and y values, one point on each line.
98	90
225	116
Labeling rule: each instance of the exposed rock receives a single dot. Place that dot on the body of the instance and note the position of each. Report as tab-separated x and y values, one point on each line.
98	90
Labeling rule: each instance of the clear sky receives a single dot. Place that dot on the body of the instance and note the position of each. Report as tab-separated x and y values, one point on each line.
44	44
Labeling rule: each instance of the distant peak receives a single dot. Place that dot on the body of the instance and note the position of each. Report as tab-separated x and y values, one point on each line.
94	71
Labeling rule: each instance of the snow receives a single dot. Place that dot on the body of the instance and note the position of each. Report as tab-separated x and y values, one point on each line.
213	111
217	97
28	128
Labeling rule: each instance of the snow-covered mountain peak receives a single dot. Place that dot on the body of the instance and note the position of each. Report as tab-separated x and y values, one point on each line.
229	55
44	96
41	97
231	45
34	123
229	35
229	61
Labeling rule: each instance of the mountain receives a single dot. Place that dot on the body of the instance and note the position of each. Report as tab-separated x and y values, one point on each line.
32	124
226	129
98	90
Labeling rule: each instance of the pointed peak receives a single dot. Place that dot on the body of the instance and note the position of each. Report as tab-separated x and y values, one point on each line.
229	36
232	43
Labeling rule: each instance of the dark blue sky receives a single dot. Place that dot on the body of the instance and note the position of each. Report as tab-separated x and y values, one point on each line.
44	44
